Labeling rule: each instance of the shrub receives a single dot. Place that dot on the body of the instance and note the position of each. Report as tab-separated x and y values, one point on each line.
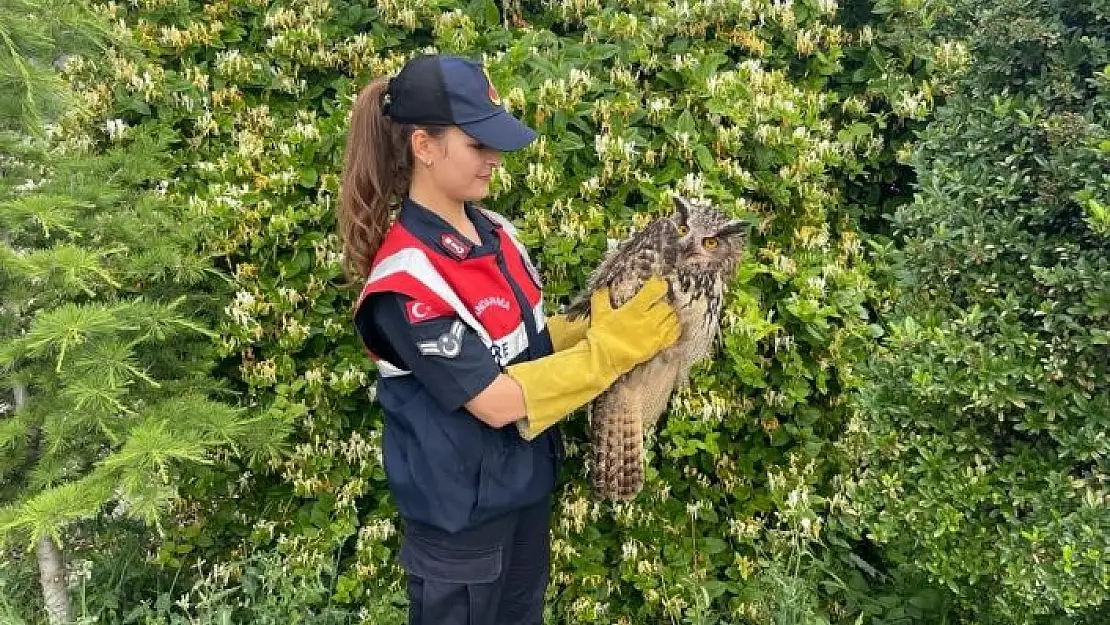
982	426
778	111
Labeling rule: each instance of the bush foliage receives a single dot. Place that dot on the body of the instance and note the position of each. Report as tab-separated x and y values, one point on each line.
781	488
986	414
775	111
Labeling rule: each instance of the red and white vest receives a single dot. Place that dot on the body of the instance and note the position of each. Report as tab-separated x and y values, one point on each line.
474	288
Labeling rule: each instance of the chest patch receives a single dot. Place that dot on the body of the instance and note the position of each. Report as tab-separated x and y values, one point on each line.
486	303
454	246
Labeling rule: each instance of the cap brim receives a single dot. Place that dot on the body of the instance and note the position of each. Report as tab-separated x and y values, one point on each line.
502	132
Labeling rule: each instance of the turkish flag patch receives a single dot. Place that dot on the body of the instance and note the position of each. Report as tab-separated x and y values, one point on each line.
418	311
454	246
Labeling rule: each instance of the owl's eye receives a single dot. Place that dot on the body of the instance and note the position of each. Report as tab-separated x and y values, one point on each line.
709	242
683	230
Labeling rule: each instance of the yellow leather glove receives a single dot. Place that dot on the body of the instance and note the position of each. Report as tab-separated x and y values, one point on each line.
616	341
564	332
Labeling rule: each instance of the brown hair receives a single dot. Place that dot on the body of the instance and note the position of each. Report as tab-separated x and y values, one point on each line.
377	169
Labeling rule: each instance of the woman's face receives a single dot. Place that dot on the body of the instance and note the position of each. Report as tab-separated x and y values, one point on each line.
460	165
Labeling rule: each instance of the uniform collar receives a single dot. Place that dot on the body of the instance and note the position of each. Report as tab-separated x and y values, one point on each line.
435	232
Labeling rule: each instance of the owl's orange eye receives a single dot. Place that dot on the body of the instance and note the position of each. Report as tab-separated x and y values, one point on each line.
683	230
709	242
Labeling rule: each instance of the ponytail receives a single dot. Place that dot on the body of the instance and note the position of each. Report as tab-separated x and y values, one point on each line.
377	169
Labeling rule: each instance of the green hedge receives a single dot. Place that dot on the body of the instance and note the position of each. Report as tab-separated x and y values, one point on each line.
985	416
792	113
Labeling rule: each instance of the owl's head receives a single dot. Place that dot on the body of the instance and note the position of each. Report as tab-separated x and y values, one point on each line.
709	240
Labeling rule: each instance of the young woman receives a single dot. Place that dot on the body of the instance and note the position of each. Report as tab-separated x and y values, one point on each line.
451	314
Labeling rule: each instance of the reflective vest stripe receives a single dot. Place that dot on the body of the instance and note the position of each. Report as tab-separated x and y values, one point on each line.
415	263
387	370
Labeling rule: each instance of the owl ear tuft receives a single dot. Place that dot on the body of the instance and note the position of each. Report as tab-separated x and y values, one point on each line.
733	228
683	206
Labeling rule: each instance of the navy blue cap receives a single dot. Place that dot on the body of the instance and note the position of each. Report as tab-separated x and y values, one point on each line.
449	90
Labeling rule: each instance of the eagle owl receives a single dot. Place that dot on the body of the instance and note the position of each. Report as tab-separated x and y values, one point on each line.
696	251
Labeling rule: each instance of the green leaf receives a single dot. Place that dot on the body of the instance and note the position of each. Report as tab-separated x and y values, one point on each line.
705	158
713	546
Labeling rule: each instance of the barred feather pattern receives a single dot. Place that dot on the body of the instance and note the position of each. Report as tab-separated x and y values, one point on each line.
675	248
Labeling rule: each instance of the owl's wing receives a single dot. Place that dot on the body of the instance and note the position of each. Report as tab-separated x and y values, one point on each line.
653	250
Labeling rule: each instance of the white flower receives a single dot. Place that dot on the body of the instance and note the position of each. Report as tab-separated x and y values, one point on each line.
694	509
629	550
116	128
29	185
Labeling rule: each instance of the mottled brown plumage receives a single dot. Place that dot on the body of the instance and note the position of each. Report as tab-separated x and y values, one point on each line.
696	250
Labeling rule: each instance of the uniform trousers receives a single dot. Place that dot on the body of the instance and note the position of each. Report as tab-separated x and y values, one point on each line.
492	574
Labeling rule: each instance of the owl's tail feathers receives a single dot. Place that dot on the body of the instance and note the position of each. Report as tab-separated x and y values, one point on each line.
617	448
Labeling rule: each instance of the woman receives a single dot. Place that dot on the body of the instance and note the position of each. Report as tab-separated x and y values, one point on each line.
452	315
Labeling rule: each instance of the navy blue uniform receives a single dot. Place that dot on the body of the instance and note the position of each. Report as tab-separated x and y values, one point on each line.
476	500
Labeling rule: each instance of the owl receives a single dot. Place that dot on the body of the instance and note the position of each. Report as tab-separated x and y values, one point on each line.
696	250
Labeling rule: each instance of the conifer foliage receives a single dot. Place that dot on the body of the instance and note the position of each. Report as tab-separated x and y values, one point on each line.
104	303
105	329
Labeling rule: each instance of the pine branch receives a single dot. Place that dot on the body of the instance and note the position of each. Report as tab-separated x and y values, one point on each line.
17	429
264	439
20	436
46	513
170	262
60	459
152	447
10	262
194	415
32	36
50	214
156	322
138	164
69	443
25	157
54	332
14	432
67	268
8	516
38	91
112	361
96	400
145	498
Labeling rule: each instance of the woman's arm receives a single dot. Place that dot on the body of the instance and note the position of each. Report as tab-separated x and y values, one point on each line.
500	403
544	391
444	354
533	394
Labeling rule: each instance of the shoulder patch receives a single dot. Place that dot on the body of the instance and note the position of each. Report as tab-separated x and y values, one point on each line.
447	345
417	311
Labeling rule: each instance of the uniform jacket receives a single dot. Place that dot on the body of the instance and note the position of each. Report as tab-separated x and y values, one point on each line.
445	467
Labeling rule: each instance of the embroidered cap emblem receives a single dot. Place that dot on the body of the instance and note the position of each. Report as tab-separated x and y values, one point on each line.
491	92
